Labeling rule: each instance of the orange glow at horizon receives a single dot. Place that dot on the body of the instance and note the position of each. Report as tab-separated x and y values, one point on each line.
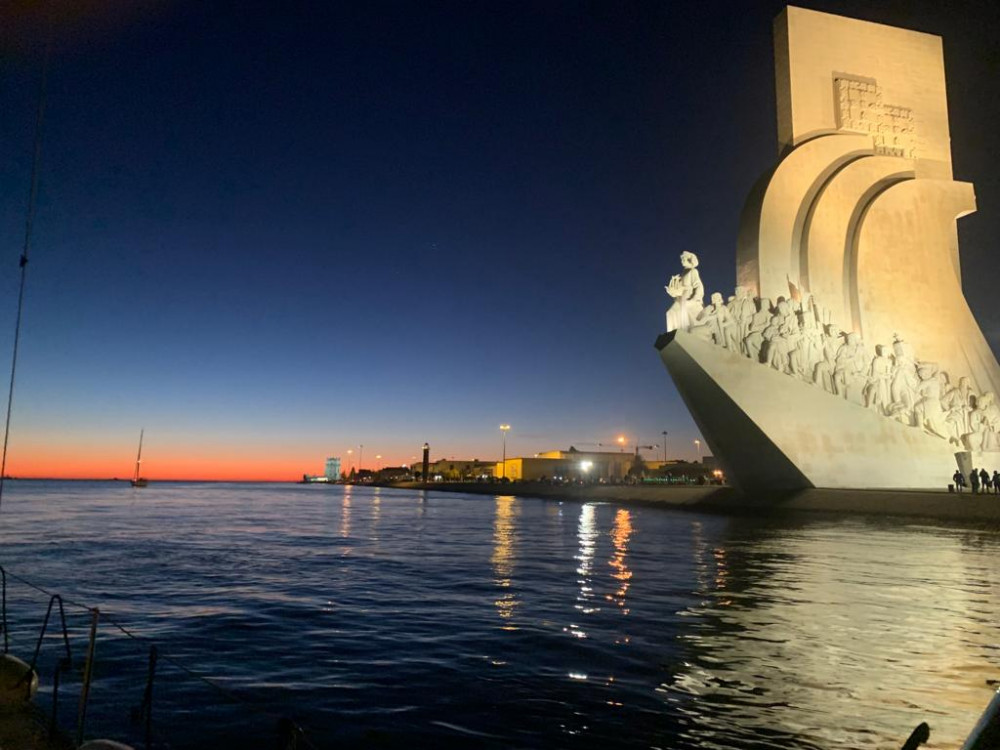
216	463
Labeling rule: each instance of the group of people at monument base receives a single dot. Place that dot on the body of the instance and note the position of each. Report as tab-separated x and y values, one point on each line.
976	480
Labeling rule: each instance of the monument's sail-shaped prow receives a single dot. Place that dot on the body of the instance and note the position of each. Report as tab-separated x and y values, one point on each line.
854	231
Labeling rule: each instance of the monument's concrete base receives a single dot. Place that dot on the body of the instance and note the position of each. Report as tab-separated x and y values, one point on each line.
772	432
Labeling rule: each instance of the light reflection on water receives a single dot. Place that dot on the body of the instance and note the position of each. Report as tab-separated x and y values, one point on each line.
503	558
387	617
620	533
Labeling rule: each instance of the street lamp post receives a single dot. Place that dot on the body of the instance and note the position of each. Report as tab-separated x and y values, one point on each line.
664	446
378	463
504	429
361	457
697	445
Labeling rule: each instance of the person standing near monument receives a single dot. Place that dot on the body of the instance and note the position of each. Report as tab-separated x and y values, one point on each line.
959	479
974	481
996	481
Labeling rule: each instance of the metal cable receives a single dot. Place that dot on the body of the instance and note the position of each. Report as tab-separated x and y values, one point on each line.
28	226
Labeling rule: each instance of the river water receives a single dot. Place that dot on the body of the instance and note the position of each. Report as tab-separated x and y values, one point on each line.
384	618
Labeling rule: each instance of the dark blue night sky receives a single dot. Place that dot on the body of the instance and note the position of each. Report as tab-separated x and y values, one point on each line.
271	232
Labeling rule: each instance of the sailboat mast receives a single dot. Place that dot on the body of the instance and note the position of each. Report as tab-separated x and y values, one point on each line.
138	456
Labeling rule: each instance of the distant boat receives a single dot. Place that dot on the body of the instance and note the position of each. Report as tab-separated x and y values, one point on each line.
138	481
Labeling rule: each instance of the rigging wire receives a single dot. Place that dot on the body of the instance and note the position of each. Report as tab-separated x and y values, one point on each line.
28	226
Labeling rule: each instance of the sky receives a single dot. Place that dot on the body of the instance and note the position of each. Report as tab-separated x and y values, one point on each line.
270	233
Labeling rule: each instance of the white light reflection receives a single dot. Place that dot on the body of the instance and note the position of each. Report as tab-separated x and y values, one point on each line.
376	512
858	632
587	536
345	513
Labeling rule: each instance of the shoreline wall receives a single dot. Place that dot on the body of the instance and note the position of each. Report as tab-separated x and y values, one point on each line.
935	505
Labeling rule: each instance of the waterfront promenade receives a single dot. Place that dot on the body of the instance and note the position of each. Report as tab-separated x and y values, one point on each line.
936	504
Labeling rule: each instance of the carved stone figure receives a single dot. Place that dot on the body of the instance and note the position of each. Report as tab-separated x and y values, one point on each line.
957	403
715	323
688	293
823	373
877	391
809	352
728	326
984	424
754	342
849	369
928	412
742	309
903	389
777	345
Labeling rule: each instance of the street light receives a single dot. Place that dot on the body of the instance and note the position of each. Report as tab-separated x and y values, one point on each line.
378	463
504	429
621	442
361	457
697	445
664	446
349	464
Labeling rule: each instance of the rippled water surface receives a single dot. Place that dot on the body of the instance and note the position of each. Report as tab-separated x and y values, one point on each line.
384	618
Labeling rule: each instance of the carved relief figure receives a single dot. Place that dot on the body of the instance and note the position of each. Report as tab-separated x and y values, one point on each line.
754	342
903	389
714	323
823	374
776	343
730	326
928	411
877	391
958	405
984	423
849	369
688	293
809	351
743	310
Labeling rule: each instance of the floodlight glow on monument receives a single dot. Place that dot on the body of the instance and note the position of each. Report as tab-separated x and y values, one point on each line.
847	356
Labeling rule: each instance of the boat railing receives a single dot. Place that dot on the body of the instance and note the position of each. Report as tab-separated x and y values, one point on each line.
289	733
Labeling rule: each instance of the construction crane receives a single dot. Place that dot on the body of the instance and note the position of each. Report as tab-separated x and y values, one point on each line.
637	447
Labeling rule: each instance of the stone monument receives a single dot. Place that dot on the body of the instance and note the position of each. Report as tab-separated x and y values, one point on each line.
848	356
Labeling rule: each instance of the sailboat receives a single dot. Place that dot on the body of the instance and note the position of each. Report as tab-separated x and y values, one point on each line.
138	481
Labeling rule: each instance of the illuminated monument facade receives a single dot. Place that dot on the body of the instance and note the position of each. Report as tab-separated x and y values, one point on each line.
848	356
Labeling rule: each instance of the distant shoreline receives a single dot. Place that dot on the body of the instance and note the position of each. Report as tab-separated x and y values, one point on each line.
125	480
930	504
938	505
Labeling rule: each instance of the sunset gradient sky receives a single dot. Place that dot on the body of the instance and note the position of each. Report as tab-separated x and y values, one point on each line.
268	233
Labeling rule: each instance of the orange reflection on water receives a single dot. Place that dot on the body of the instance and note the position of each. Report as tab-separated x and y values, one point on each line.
502	559
621	532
